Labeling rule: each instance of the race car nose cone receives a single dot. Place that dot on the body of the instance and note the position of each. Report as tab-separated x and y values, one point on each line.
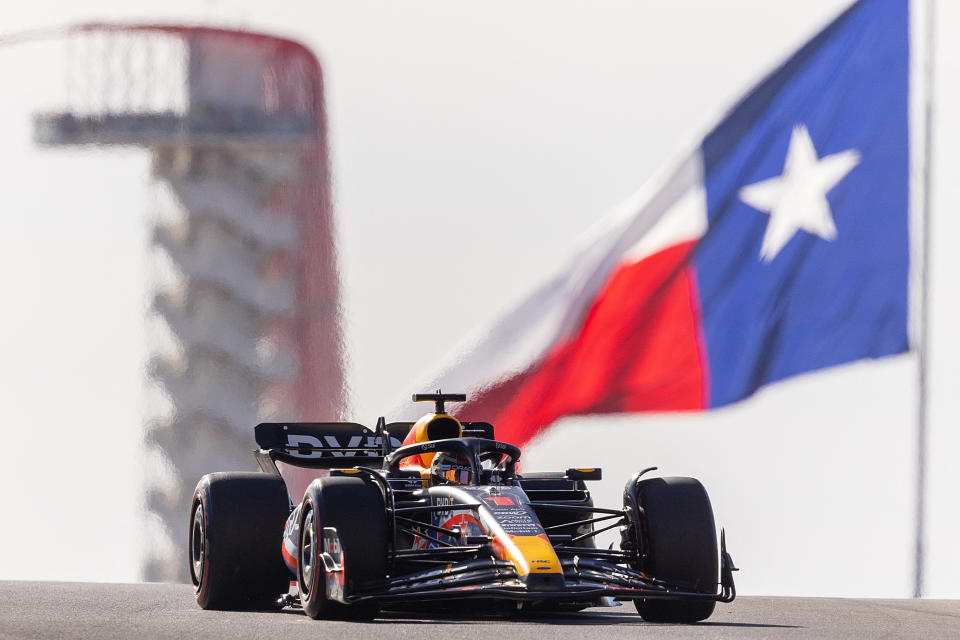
544	581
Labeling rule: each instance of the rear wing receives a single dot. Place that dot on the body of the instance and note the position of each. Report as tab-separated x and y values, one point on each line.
326	445
337	445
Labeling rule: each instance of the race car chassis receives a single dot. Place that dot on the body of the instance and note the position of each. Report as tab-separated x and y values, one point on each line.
589	574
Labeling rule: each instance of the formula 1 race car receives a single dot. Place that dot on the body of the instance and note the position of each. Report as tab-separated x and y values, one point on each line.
414	515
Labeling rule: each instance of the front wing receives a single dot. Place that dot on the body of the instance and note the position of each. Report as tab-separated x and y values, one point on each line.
586	580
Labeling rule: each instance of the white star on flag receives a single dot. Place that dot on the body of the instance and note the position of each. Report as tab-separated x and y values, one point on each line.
797	199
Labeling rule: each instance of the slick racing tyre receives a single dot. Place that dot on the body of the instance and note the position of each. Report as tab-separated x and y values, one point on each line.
354	507
236	533
679	541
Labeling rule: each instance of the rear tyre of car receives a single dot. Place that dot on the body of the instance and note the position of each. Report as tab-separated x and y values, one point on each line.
236	533
354	507
679	543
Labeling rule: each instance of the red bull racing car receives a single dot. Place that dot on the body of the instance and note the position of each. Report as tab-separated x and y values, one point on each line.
413	515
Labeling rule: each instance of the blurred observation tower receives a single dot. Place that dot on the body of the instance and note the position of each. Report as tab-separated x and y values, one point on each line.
246	294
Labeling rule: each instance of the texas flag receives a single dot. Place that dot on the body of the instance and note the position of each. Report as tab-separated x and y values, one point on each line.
779	247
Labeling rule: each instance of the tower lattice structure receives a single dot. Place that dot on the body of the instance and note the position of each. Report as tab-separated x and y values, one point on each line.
246	296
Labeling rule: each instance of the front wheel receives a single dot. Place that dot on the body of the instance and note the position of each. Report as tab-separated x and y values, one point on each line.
678	544
354	507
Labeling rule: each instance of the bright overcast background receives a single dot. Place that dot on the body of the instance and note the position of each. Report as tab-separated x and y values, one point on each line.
472	143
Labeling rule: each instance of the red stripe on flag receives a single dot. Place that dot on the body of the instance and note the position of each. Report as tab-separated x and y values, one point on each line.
640	348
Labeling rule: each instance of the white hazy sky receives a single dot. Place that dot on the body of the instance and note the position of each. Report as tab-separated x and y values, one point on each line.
506	128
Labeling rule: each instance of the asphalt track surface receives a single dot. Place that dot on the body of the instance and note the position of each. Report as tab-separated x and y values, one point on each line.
87	610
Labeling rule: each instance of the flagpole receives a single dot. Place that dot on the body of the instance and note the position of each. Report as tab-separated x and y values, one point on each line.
924	306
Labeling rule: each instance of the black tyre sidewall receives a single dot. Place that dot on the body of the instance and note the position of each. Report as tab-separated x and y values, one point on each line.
201	584
312	596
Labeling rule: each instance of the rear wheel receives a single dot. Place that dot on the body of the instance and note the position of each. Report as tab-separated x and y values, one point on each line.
679	543
236	532
354	507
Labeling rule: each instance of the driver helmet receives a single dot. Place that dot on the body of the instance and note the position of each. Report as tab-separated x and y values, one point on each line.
451	468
